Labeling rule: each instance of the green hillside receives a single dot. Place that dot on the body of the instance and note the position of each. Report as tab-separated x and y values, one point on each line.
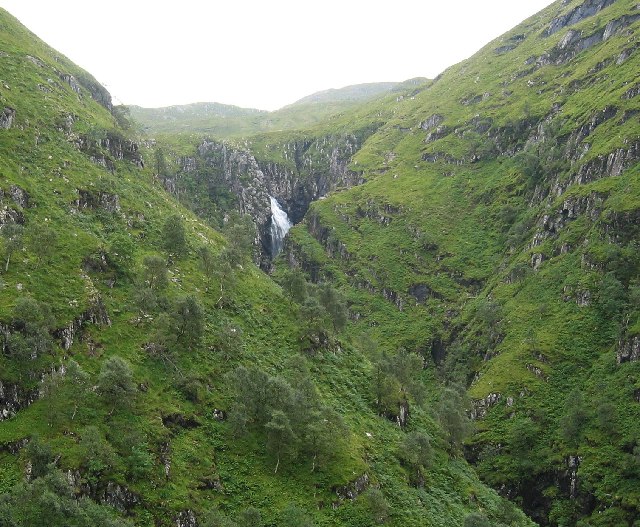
451	335
497	236
150	374
487	221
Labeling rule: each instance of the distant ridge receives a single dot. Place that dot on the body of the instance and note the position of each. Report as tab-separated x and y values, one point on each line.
225	120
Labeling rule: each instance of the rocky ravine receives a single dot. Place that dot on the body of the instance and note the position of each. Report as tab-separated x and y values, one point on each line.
306	170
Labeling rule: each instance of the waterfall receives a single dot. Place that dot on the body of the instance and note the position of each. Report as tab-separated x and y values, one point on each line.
280	226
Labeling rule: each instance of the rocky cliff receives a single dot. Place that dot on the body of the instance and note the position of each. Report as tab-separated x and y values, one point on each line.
296	171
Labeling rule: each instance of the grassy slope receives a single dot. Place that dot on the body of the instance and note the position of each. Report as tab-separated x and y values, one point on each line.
38	156
449	226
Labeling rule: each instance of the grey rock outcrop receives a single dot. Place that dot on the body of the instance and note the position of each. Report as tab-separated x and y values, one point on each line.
88	199
309	169
432	122
110	148
96	313
574	42
352	490
107	493
480	407
98	92
628	349
72	82
585	10
13	398
6	118
186	519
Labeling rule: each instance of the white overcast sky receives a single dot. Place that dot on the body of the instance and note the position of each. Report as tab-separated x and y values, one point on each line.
262	53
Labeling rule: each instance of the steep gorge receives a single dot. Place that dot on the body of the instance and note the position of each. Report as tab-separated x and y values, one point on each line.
482	229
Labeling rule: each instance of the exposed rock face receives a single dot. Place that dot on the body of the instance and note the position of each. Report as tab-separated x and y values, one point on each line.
107	150
574	42
123	149
432	122
117	496
186	519
88	199
610	165
14	447
480	407
571	209
8	212
600	167
98	92
353	489
311	169
18	195
96	313
13	398
628	349
587	9
571	475
632	92
72	82
6	118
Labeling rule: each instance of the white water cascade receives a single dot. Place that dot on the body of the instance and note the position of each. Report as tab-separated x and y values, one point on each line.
280	226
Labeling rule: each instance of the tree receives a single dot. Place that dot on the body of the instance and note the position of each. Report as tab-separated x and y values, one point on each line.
115	382
174	236
334	304
490	315
42	241
12	236
406	367
250	517
216	518
574	418
51	501
395	380
452	415
122	115
295	285
121	252
161	163
146	299
207	263
611	297
140	462
229	340
155	272
225	273
385	387
77	380
240	233
607	417
249	398
294	516
41	457
322	433
187	321
98	455
32	322
280	437
475	519
416	451
315	322
377	505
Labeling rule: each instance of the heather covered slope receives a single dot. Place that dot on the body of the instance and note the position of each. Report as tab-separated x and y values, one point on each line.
497	235
150	374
